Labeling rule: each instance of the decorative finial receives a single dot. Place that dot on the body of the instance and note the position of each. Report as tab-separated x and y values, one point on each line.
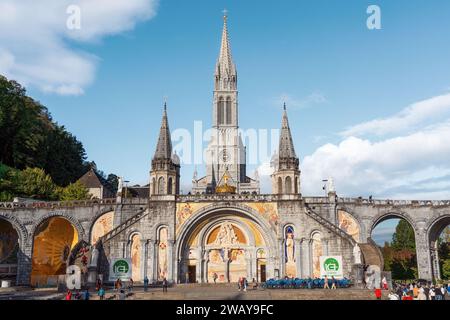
165	103
225	14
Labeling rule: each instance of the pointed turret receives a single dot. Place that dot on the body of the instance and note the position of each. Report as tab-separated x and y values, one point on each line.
286	178
165	172
164	146
286	146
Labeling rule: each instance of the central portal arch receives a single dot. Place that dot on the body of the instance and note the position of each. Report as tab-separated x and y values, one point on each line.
224	244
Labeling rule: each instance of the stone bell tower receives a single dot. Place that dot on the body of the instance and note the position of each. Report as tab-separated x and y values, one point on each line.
165	171
286	177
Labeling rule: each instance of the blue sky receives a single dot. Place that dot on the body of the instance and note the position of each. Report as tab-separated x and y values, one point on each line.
363	104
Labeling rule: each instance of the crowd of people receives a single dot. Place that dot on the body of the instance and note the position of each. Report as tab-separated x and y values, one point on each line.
419	291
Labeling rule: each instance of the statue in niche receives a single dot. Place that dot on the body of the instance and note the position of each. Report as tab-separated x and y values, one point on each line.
290	252
357	254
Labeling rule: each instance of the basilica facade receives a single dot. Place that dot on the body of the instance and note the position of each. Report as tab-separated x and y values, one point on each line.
223	229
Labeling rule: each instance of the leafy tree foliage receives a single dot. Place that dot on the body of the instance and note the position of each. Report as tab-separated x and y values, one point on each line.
403	238
30	138
74	191
400	256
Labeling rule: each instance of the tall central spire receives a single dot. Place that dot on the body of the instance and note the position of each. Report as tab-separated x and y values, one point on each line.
225	59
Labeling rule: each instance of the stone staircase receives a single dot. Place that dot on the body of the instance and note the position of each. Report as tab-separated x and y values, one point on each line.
372	254
331	226
124	225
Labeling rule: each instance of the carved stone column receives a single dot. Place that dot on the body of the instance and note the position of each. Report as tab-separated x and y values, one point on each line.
283	257
423	254
298	260
170	260
143	262
248	261
151	261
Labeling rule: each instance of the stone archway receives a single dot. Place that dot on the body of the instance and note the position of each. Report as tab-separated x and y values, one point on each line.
401	260
53	240
201	250
9	249
435	230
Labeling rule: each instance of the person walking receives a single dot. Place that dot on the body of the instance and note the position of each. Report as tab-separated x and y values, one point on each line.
325	285
215	277
130	285
122	295
378	293
240	284
432	293
164	285
145	284
333	283
422	295
101	293
245	284
384	283
68	295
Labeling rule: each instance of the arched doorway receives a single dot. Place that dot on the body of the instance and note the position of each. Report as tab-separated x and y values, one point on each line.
223	245
395	238
9	248
439	240
53	241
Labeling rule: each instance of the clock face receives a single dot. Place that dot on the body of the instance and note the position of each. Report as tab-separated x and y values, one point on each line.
225	155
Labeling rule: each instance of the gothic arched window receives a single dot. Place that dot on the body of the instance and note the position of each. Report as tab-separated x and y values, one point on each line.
169	186
161	186
288	185
228	111
220	111
280	186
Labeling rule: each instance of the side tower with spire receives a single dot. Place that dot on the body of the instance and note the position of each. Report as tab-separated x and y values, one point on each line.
165	171
286	177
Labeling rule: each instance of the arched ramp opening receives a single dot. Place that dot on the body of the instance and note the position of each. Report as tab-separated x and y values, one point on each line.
53	242
439	240
9	248
395	238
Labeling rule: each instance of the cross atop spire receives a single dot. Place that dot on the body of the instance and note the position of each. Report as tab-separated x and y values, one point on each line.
164	146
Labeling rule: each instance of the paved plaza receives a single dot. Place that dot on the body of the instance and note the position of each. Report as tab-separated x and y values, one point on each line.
202	292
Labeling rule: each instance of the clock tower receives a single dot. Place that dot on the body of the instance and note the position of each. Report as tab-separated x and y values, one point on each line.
226	152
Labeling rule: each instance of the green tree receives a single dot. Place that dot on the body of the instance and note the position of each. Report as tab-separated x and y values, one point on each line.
64	156
446	269
30	138
35	183
74	191
403	238
113	180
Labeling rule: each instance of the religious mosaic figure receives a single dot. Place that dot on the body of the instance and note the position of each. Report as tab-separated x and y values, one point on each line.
226	235
162	254
349	224
316	253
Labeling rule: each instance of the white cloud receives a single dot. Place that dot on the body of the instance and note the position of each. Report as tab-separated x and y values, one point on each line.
292	102
37	48
407	119
408	166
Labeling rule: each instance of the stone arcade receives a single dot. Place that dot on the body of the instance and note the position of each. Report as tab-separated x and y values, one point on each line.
226	229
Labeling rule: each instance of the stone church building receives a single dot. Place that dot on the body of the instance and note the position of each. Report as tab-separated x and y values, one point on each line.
223	229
